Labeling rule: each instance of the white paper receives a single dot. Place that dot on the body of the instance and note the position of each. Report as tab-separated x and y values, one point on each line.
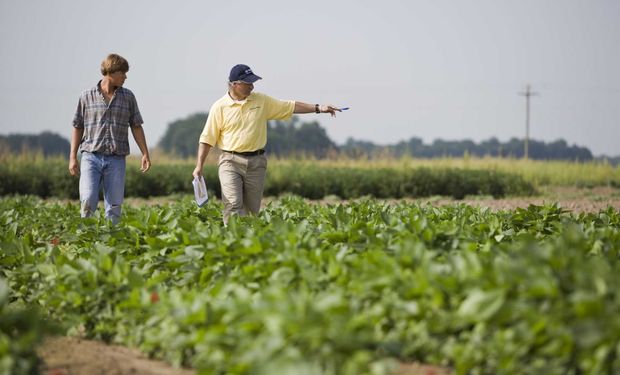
200	190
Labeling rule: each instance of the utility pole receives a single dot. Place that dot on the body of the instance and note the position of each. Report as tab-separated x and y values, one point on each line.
528	93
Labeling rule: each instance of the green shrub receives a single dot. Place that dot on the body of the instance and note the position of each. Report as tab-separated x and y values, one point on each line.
315	183
50	178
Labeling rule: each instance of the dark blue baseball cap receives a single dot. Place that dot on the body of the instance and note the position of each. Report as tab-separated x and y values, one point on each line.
243	73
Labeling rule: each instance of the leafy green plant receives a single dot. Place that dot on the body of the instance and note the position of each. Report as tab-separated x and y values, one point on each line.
21	328
328	289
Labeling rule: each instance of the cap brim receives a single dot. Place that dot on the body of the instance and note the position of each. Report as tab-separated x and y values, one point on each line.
251	78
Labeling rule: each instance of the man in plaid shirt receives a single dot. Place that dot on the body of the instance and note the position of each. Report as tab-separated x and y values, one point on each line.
100	130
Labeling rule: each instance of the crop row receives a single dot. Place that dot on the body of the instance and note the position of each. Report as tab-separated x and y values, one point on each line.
337	289
537	172
50	178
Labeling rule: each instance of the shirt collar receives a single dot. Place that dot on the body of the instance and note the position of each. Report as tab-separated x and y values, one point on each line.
229	101
98	88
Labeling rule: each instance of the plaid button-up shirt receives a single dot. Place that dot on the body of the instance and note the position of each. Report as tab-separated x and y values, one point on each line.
106	124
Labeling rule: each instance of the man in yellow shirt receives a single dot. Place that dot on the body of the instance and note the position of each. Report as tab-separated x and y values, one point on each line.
237	125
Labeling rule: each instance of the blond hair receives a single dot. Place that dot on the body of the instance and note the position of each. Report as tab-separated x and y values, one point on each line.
114	63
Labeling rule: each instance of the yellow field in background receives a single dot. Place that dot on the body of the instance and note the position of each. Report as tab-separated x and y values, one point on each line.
538	172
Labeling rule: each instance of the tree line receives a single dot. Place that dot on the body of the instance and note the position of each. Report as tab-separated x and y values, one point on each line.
47	143
540	150
294	138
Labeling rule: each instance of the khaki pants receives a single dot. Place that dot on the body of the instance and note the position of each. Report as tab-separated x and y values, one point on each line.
242	179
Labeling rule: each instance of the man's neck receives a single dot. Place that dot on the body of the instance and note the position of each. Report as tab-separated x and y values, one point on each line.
107	87
235	97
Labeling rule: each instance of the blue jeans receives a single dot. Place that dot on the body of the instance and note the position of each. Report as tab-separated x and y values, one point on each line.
95	170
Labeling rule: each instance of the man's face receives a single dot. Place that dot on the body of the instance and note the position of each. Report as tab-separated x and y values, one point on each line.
117	78
242	89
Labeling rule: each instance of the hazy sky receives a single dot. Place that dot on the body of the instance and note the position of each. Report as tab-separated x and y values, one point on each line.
429	69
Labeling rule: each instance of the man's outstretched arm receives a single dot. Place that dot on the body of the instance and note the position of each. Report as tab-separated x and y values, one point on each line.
301	107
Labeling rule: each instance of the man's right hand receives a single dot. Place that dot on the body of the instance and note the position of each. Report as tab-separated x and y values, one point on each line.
74	166
197	173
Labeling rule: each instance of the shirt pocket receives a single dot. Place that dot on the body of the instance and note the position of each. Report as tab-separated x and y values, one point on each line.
119	114
94	107
253	115
232	121
93	113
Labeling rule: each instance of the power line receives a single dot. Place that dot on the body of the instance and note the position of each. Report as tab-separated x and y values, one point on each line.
528	93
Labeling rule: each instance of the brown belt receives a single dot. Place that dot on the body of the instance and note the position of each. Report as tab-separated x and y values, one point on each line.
247	153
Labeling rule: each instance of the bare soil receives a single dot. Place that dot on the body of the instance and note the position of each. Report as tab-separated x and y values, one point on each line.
571	199
75	356
576	200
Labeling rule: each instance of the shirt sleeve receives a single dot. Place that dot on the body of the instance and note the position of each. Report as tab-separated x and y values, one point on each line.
135	118
211	132
277	109
78	118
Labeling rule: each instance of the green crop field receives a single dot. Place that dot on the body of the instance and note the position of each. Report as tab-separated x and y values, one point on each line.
315	179
50	178
353	288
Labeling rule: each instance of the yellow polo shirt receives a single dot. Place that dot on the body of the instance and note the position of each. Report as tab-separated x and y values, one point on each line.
242	125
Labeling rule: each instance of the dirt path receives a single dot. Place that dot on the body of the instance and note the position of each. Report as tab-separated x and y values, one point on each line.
75	356
576	200
571	199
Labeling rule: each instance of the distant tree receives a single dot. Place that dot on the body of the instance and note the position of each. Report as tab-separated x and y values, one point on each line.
407	148
181	137
357	149
613	161
47	143
288	138
490	147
